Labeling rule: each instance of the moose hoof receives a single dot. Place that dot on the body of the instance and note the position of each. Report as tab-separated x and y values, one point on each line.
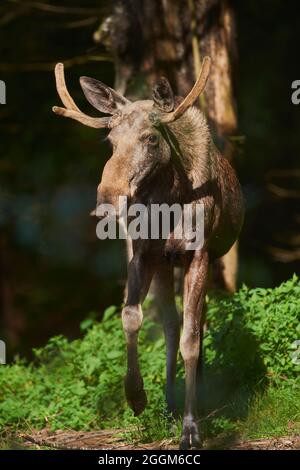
190	438
137	401
136	397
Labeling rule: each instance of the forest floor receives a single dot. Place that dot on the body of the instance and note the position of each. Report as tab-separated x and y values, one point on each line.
115	440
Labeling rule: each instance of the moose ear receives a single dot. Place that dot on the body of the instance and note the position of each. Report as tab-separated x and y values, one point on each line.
163	95
102	97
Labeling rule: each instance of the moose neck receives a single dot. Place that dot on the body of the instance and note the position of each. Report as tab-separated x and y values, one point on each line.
190	144
190	165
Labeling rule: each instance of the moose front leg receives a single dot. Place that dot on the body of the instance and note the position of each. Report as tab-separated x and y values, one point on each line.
139	278
194	294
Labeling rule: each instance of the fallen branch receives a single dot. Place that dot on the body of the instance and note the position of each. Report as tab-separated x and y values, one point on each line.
49	66
59	9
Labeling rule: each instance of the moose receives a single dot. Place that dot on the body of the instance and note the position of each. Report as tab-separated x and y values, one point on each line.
163	153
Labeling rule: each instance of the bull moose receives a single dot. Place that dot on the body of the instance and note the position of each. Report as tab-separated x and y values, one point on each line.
163	153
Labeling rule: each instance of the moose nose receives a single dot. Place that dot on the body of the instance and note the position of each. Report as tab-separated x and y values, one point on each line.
102	209
98	203
106	195
103	198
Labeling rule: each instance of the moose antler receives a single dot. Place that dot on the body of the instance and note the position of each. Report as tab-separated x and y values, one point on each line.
71	110
190	99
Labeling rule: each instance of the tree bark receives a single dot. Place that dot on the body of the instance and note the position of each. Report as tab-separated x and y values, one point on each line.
217	33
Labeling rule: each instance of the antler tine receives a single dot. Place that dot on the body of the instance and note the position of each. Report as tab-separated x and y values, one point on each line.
197	89
62	88
96	123
71	110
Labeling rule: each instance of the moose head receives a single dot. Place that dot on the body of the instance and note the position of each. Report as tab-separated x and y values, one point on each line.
136	129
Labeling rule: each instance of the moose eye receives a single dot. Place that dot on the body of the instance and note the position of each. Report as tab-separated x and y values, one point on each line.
152	139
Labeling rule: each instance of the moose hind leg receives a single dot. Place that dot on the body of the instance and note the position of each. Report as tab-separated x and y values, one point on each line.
165	300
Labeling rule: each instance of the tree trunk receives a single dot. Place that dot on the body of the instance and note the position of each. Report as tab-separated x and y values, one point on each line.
217	33
150	38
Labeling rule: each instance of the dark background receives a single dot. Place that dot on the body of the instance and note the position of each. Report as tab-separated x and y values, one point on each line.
53	270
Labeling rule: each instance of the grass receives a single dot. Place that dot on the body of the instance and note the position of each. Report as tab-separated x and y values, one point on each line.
251	386
276	412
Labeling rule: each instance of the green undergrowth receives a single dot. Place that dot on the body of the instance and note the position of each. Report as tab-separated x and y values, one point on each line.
250	386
